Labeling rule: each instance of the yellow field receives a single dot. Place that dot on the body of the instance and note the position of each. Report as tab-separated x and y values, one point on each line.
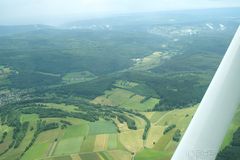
140	123
122	126
149	62
157	116
120	155
132	140
148	114
154	135
180	117
101	142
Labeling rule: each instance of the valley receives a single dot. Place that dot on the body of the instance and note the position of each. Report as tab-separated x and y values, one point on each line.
116	88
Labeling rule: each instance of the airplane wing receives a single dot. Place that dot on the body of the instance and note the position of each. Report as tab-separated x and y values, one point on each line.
204	136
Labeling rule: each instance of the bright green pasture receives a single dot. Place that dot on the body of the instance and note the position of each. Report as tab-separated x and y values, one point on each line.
76	131
88	144
102	127
127	99
151	154
68	146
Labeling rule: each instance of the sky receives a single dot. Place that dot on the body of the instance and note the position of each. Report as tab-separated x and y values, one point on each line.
57	11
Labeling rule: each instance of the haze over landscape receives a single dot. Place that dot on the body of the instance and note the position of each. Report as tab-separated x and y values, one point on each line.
60	11
108	79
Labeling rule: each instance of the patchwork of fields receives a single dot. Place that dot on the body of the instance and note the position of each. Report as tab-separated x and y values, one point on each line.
100	140
112	139
123	96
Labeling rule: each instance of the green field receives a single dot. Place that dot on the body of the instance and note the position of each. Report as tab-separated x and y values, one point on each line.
102	127
89	156
64	107
68	146
42	145
88	144
158	144
152	155
76	77
150	61
113	141
127	99
76	131
76	138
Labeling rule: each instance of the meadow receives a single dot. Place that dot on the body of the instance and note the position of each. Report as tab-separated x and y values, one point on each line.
125	98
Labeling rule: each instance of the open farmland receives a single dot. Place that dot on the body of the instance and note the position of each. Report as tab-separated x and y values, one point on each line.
116	88
127	99
101	140
98	139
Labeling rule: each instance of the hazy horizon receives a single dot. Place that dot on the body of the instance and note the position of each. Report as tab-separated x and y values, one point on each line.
53	12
